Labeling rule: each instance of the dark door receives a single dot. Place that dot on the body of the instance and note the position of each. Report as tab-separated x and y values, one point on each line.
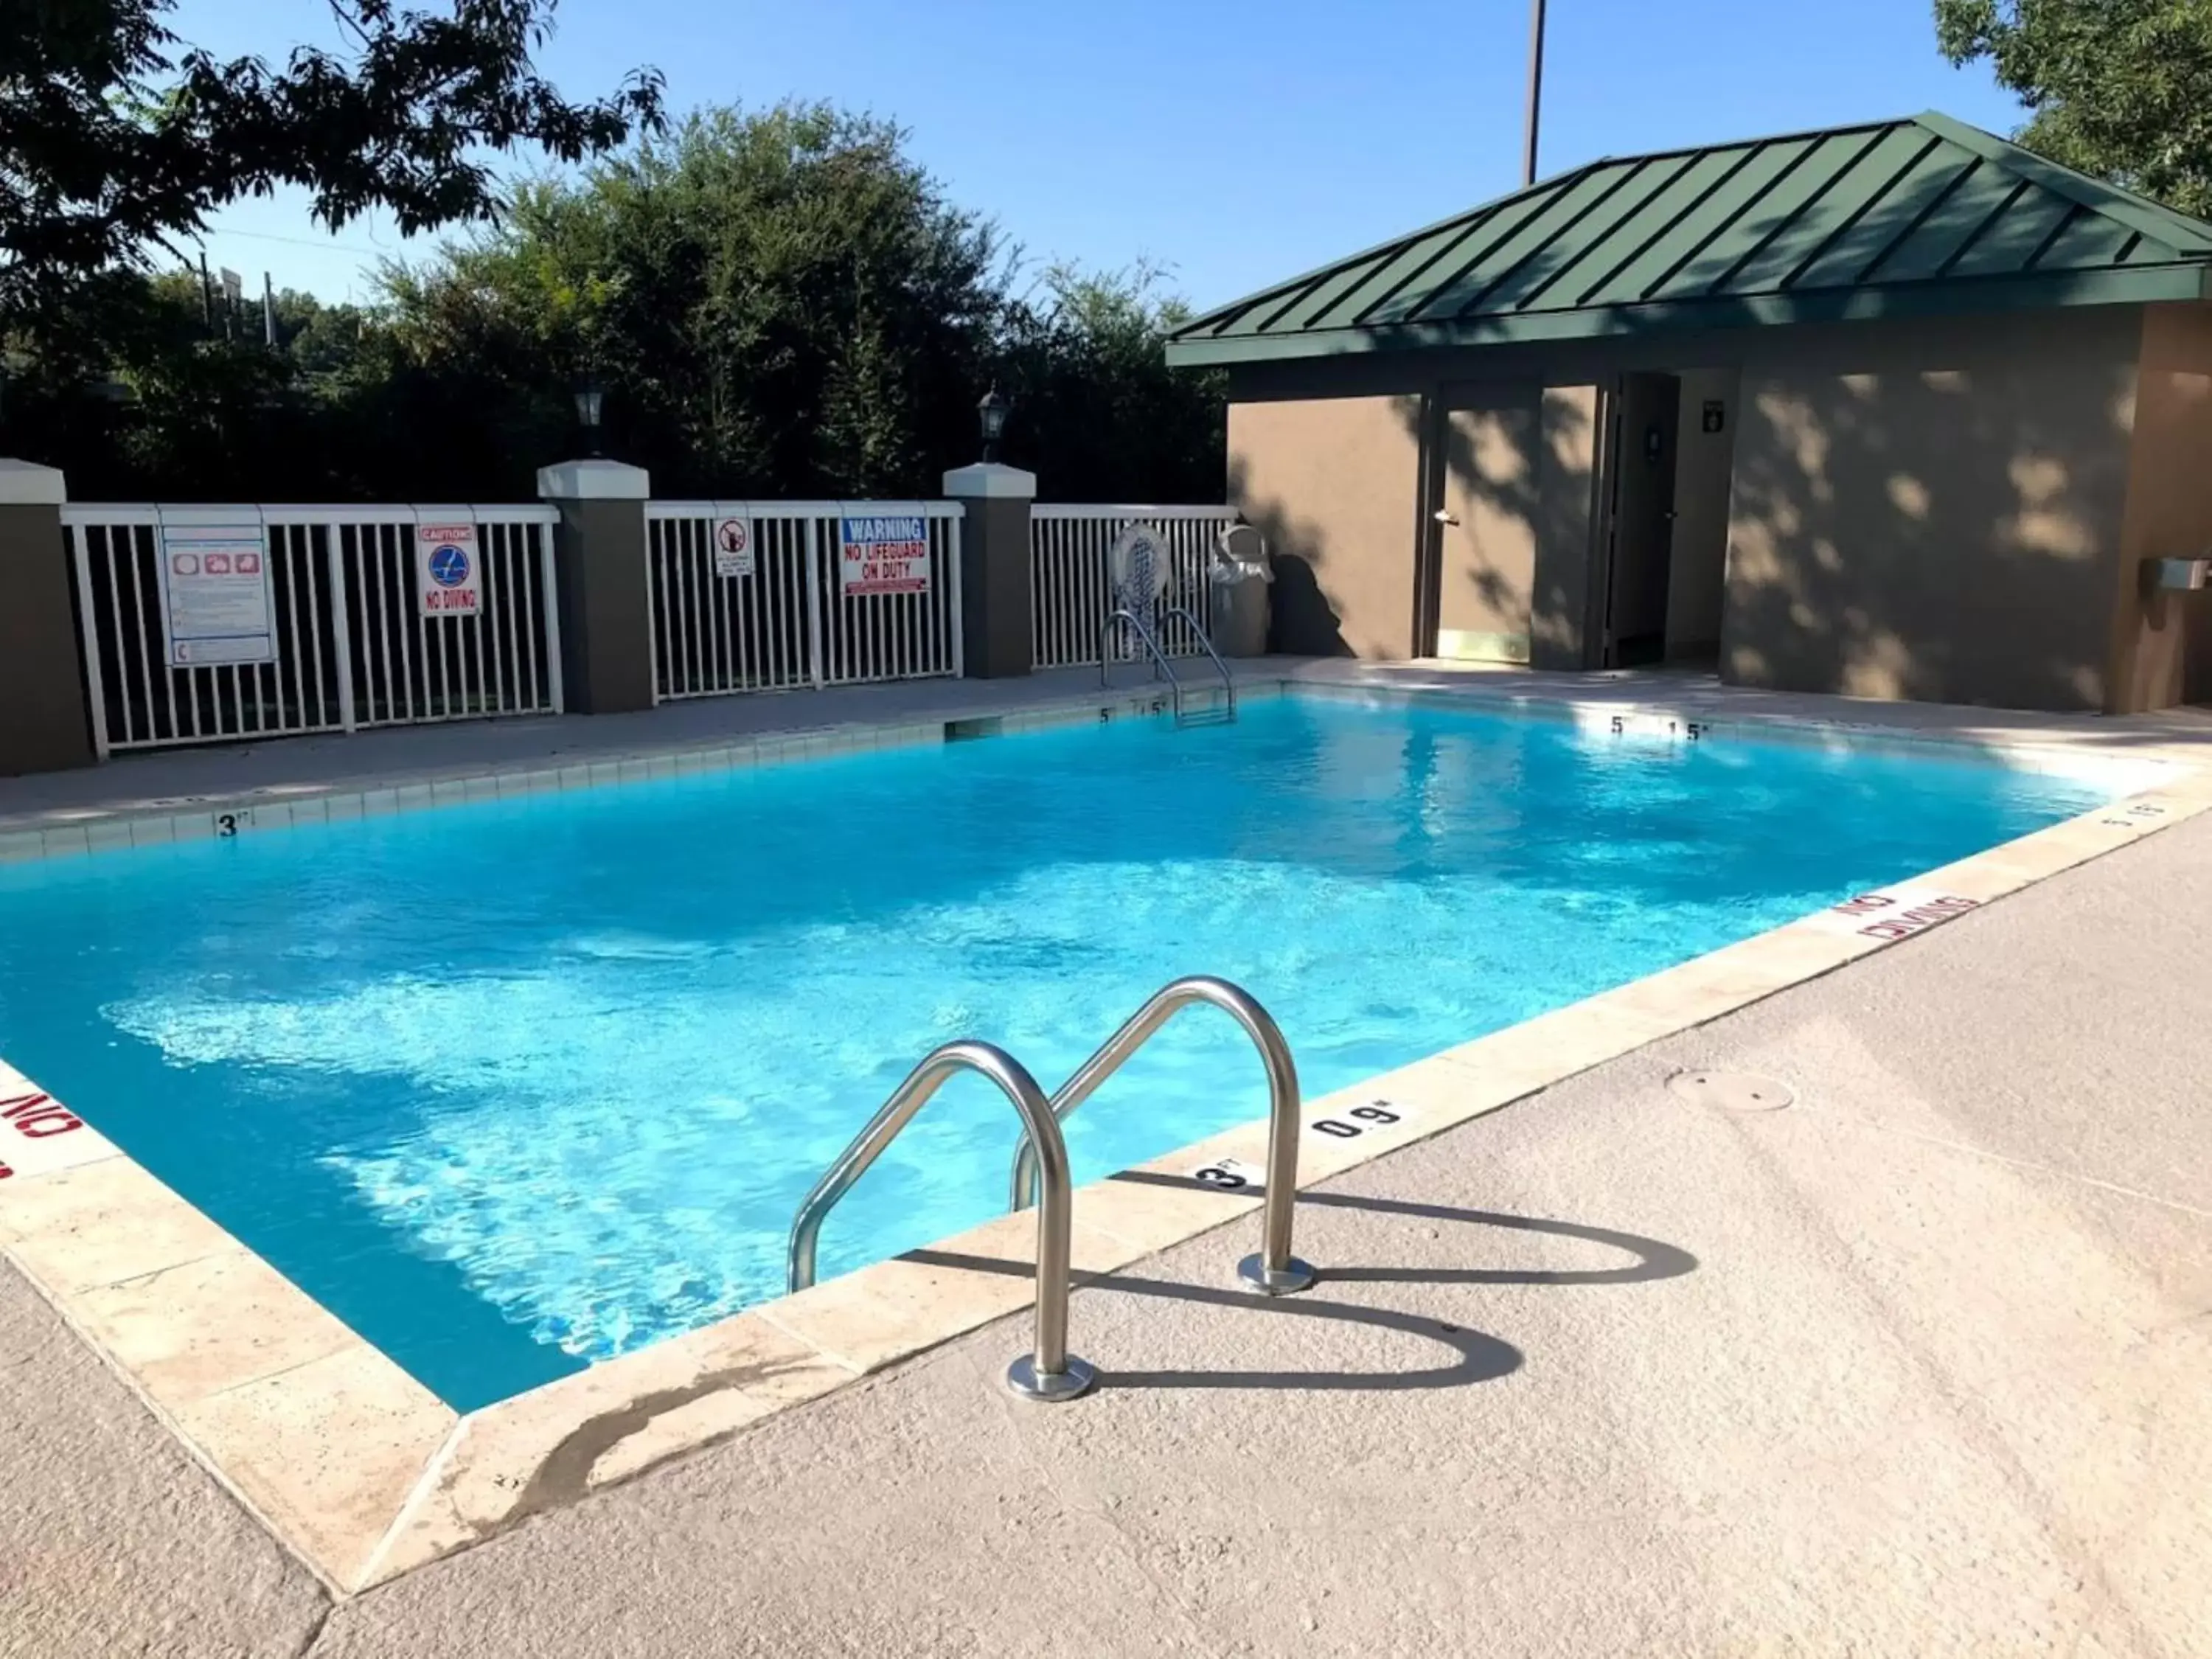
1642	521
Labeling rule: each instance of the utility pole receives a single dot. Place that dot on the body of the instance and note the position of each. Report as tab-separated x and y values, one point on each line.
207	296
1535	91
268	311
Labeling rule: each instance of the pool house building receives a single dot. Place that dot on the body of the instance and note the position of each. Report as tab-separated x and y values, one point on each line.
1897	410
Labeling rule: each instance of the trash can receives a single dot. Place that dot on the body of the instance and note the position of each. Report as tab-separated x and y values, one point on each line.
1240	576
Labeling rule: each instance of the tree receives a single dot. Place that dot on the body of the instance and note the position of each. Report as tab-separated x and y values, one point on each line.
1103	416
2119	89
782	303
118	139
779	302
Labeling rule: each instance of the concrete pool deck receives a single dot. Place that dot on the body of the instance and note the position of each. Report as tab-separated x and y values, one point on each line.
1383	1393
1914	1365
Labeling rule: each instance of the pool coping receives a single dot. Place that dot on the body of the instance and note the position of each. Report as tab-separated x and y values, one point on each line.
364	1474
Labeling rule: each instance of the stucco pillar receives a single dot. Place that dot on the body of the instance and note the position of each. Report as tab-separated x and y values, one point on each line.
994	567
45	725
599	558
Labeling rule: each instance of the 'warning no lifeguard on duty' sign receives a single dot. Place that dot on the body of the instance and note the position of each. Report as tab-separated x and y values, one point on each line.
887	555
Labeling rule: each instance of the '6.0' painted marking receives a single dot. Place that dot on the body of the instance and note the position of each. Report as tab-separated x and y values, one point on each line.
1369	1117
1234	1174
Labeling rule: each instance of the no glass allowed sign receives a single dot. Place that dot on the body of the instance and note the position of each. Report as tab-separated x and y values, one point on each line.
449	572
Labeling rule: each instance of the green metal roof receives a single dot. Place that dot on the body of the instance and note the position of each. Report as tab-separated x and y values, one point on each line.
1920	216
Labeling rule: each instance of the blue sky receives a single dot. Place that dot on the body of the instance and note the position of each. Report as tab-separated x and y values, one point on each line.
1236	141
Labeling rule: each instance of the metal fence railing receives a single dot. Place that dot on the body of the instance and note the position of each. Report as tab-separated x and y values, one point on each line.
205	624
761	596
1068	583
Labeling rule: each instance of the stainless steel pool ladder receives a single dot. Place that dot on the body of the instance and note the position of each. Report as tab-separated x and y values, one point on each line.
1048	1372
1274	1271
1221	715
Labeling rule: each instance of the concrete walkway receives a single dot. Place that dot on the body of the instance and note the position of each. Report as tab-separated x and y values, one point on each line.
1917	1366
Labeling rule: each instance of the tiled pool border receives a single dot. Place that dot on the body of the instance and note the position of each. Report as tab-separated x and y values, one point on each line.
366	1474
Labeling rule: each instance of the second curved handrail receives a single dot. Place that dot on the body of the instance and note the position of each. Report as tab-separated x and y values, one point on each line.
1198	633
1275	1270
1163	665
1048	1371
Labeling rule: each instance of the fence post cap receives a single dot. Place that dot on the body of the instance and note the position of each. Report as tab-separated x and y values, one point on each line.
27	483
989	481
594	481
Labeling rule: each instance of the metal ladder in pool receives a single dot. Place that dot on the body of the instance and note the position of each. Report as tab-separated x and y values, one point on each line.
1048	1372
1220	713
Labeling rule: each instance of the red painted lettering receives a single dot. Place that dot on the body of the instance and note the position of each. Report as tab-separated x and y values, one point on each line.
43	1124
1920	917
36	1116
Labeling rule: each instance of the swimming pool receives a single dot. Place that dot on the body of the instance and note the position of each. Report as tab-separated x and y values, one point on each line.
514	1085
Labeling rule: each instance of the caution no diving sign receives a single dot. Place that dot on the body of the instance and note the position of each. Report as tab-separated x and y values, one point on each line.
448	574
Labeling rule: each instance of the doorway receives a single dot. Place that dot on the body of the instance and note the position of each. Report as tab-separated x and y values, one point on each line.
1474	601
1645	441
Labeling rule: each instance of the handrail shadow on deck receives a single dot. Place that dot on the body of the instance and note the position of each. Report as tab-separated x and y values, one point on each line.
1482	1357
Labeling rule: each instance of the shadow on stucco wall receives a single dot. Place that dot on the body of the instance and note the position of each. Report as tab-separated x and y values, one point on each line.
1931	534
1302	622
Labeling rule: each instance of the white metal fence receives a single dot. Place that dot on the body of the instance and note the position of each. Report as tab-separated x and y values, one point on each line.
1067	573
351	646
755	596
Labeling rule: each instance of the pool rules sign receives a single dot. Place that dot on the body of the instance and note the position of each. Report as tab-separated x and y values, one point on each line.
885	554
448	574
216	604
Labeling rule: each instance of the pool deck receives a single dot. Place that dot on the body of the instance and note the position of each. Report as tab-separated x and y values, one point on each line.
1915	1364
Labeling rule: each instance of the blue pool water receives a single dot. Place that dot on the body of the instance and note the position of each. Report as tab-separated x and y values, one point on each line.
516	1085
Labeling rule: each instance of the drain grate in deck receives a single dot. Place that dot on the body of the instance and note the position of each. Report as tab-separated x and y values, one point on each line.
1730	1092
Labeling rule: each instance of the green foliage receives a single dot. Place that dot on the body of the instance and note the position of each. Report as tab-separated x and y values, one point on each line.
781	303
1100	416
2118	88
116	138
782	300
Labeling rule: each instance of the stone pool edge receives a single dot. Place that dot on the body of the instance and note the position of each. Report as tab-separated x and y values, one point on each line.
365	1475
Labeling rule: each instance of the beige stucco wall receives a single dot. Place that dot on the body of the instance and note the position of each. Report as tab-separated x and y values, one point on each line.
1333	484
1697	560
1933	511
1927	508
2162	643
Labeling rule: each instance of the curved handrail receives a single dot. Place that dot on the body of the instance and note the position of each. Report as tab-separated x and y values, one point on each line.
1048	1372
1274	1270
1198	633
1161	666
